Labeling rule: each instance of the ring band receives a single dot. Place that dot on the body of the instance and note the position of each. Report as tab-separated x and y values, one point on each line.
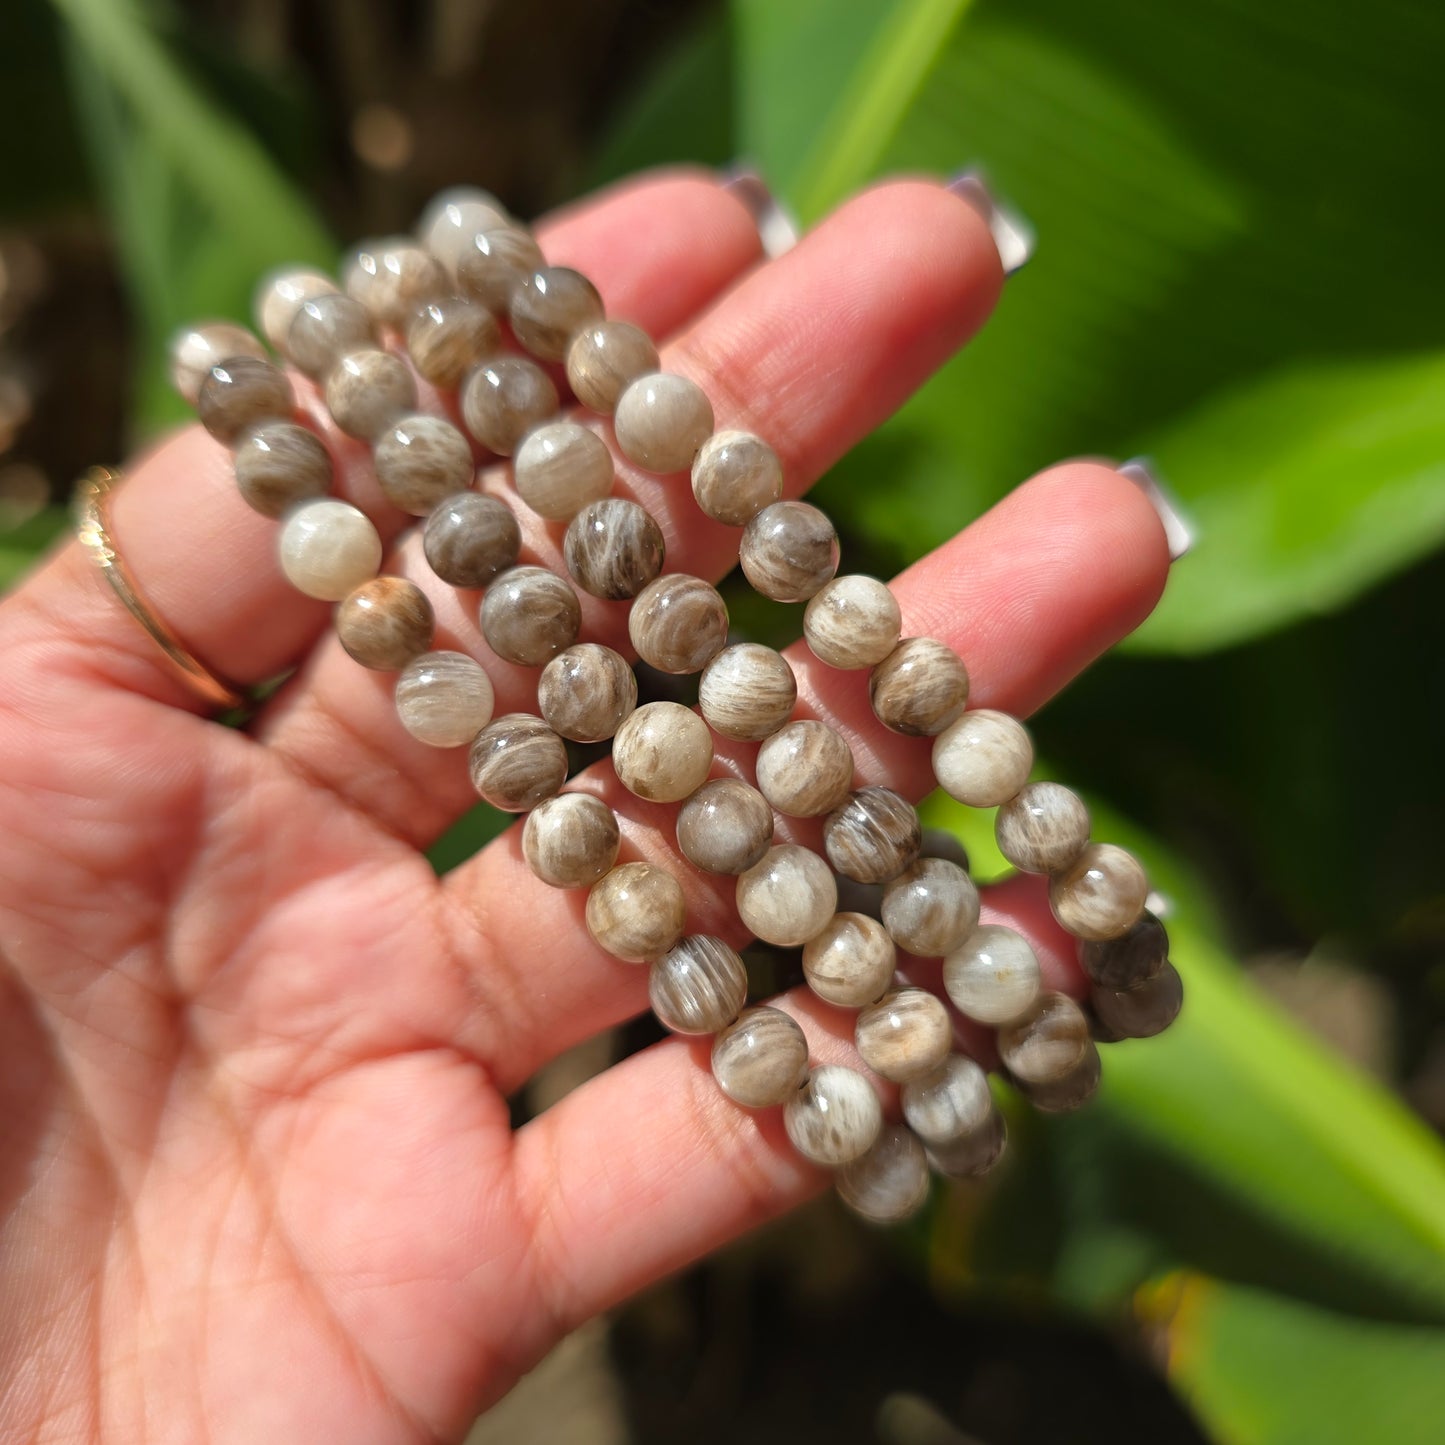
92	526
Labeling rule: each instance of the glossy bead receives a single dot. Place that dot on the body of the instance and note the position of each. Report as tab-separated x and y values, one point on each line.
385	623
586	692
930	908
636	912
605	359
529	615
1144	1010
368	391
1047	1043
196	349
852	621
516	761
698	986
495	262
805	769
735	476
747	691
1073	1091
950	1102
504	398
561	467
890	1182
835	1117
789	550
984	758
725	827
550	307
279	464
761	1058
905	1034
787	896
873	836
421	461
662	752
280	296
1101	894
240	393
678	623
919	688
1043	828
453	220
661	421
973	1154
449	336
850	963
324	329
470	538
1131	958
327	548
993	976
444	699
571	840
613	548
391	278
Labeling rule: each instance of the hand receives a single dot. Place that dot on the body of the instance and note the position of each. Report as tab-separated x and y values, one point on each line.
256	1170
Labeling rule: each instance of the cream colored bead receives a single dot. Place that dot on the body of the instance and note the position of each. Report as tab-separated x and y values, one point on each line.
662	752
327	548
787	897
761	1058
952	1101
1101	894
993	976
661	421
636	913
805	769
281	295
930	908
725	827
905	1035
605	359
369	391
391	278
560	467
835	1117
571	840
984	758
444	699
454	218
1043	828
890	1182
735	476
1047	1043
698	986
850	963
852	621
196	349
747	691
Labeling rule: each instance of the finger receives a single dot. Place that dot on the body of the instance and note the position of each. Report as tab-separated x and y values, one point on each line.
812	351
207	562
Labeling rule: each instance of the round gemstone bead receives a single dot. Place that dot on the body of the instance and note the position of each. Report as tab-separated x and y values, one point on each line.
805	769
761	1058
391	278
368	391
605	359
327	548
561	467
1047	1043
725	827
570	841
613	548
280	296
1131	958
1043	828
1073	1091
983	759
1142	1011
850	963
550	307
661	421
636	912
735	476
662	752
385	622
324	329
973	1154
240	393
698	986
453	220
450	335
890	1182
835	1117
516	761
747	691
852	621
469	539
444	699
930	908
678	623
905	1034
529	615
789	550
495	262
196	349
1101	894
586	692
787	896
279	464
504	398
420	461
919	688
993	976
951	1102
873	836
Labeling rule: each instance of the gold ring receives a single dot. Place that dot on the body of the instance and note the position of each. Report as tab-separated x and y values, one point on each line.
92	526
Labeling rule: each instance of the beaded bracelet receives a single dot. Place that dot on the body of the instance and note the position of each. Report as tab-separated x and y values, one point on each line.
440	298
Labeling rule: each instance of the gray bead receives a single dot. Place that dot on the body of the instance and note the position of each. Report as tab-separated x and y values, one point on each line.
470	538
919	688
805	769
1048	1043
1071	1092
504	398
788	551
930	908
984	758
747	692
1043	828
835	1117
1101	894
279	464
970	1155
852	622
240	393
735	476
637	912
444	699
851	962
613	548
890	1182
905	1035
368	391
993	976
725	827
516	761
1132	958
529	615
761	1058
570	841
698	986
421	461
324	329
561	467
661	421
678	623
449	336
586	692
605	359
873	836
278	297
1144	1010
550	307
385	622
493	263
951	1102
194	350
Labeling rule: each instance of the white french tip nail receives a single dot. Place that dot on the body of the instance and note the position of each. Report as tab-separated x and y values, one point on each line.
1178	529
776	227
1013	235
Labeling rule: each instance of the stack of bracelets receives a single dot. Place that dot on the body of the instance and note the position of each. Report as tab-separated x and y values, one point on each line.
449	306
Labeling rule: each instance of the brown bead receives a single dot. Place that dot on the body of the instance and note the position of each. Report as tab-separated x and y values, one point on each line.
725	827
586	692
613	548
1131	958
550	307
529	615
984	758
805	769
662	752
493	263
636	912
571	840
1073	1091
919	688
1042	829
470	538
1048	1043
421	461
678	623
852	621
516	761
905	1035
735	476
240	393
449	336
698	986
761	1058
747	691
324	329
391	278
605	359
873	836
851	962
788	551
930	908
385	623
1142	1011
1100	894
504	398
369	391
194	350
561	467
661	421
279	464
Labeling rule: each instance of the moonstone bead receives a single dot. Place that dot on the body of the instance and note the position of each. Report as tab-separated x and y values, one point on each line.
613	548
636	912
905	1034
421	461
805	769
454	218
327	548
835	1117
1142	1011
873	836
789	550
678	623
529	615
196	349
747	691
850	963
1043	828
586	692
449	336
1073	1091
1100	894
504	398
698	986
605	359
470	538
391	278
852	621
368	391
983	759
971	1154
240	393
571	840
1131	958
279	464
761	1058
495	262
385	623
280	296
993	976
444	699
948	1103
516	761
550	307
787	896
662	752
324	329
560	468
919	688
1047	1043
736	475
725	827
930	908
661	421
890	1182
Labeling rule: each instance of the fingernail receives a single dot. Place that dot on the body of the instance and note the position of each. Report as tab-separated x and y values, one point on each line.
1178	529
1013	235
776	227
